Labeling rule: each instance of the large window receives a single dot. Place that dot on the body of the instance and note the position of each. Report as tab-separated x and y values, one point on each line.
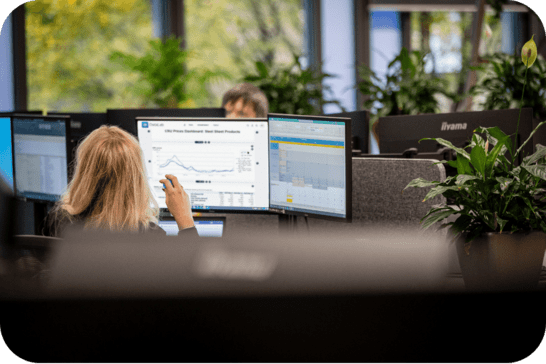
231	35
447	37
338	52
68	48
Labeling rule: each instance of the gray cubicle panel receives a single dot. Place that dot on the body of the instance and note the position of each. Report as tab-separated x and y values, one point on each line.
378	189
379	197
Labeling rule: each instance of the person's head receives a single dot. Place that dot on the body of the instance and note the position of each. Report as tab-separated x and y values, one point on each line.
245	101
109	188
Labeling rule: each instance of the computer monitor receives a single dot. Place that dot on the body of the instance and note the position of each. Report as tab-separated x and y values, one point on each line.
399	133
40	151
207	227
360	129
125	118
6	155
7	221
310	166
221	163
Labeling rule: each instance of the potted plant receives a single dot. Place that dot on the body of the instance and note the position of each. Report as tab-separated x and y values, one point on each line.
292	89
406	90
500	208
164	75
504	72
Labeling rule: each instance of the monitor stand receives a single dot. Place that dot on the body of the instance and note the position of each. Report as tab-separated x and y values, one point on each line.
288	224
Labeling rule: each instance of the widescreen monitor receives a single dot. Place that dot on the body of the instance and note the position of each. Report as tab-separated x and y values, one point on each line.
310	166
221	163
40	151
360	129
6	153
125	118
399	133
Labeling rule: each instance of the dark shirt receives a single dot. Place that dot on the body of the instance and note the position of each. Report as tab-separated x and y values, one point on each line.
57	222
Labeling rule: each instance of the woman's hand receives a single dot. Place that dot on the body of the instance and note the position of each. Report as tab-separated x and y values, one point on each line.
178	202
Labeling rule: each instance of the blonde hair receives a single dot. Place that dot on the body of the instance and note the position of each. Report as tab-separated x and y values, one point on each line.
109	189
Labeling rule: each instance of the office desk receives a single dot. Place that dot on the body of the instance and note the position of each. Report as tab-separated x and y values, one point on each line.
317	316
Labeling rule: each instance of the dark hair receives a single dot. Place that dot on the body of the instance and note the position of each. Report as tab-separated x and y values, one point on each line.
249	93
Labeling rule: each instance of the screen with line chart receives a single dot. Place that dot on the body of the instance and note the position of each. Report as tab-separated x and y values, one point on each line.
310	166
221	163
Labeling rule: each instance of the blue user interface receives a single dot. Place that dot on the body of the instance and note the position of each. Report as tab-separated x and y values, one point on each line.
307	166
6	157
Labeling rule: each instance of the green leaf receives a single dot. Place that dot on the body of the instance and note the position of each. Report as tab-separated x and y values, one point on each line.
462	222
449	145
477	140
262	69
488	218
505	163
435	210
504	182
477	157
492	156
439	190
536	170
502	223
463	166
530	136
420	182
434	218
463	178
539	154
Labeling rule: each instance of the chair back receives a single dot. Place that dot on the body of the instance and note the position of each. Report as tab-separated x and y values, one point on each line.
36	246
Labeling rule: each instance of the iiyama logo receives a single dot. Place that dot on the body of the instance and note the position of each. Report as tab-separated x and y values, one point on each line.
456	126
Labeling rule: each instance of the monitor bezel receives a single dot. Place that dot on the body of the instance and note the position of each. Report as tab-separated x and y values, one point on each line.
358	114
168	118
348	170
66	120
112	114
491	117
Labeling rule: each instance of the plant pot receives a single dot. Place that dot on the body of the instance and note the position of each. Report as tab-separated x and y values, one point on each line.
502	261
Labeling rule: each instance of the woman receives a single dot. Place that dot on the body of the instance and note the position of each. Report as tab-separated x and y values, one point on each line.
109	190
